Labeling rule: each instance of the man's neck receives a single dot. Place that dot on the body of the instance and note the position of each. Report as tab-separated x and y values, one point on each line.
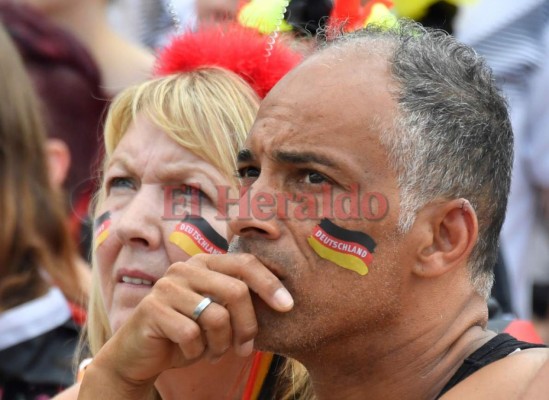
397	364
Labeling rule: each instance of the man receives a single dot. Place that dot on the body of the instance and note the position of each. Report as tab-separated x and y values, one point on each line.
388	294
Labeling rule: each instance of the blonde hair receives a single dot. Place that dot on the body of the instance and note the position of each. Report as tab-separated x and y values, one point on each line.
208	111
297	384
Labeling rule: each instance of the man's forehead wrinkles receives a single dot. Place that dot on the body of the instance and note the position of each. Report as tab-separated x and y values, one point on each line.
270	133
277	108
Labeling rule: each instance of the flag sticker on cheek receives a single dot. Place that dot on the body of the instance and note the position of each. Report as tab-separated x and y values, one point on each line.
348	249
194	235
101	228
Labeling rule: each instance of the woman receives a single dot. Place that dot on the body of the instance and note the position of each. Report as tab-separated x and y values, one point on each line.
39	270
170	146
147	153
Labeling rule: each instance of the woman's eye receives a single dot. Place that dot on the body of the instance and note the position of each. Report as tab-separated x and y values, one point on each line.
315	178
120	183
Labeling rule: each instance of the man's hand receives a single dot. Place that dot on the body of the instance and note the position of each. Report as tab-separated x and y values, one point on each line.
162	334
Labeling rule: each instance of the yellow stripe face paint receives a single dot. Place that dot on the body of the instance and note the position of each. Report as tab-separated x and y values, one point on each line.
101	228
194	235
348	249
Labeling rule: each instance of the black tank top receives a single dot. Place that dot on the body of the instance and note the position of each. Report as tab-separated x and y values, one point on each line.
495	349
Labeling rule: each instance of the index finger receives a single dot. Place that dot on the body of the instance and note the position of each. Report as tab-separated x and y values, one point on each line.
251	271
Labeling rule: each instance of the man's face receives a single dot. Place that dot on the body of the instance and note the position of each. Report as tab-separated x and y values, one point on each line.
318	131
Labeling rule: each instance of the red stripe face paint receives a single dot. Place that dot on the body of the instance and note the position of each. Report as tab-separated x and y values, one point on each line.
101	228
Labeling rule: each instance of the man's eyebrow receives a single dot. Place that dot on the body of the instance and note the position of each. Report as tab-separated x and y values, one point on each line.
245	155
290	157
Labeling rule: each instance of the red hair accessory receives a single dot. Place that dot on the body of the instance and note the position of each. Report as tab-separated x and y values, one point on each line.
352	15
235	48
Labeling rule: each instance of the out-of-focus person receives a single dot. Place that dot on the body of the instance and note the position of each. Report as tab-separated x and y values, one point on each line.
154	22
41	283
514	42
77	63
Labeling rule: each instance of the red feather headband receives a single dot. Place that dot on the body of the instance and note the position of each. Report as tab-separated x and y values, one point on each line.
235	48
352	15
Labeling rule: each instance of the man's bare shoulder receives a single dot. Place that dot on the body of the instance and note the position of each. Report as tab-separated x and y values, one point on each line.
539	387
69	394
509	378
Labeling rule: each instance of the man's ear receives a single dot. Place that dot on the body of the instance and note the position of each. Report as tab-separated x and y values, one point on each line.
59	161
449	241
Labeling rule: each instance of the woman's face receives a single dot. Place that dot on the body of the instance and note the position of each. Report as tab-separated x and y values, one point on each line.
150	184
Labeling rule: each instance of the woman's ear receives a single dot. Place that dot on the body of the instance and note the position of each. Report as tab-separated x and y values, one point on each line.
450	240
59	161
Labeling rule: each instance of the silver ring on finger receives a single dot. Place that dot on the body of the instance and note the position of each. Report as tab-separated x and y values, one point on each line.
199	309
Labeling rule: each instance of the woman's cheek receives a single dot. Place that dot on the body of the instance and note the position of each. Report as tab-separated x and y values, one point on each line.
106	250
218	223
174	252
196	234
105	254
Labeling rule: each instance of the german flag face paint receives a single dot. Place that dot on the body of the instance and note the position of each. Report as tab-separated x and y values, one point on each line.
101	228
348	249
194	235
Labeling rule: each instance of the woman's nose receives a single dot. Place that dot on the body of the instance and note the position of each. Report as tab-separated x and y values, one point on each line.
139	221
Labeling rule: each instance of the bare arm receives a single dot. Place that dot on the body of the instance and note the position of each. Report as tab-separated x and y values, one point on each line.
70	393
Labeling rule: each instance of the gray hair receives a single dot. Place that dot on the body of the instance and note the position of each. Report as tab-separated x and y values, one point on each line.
452	137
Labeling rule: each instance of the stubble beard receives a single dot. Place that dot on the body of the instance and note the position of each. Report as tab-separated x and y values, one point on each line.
282	333
312	325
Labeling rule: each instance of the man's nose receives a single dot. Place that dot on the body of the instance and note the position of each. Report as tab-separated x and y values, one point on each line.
256	212
139	222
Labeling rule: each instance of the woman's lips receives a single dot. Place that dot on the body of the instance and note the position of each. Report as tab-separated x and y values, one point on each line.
135	277
136	281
